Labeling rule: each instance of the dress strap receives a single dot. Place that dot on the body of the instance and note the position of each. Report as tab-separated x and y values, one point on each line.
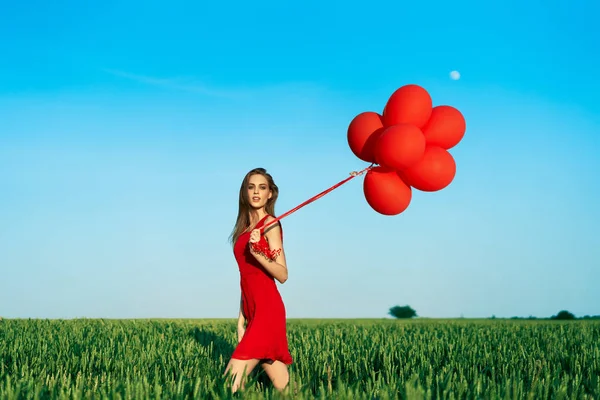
258	224
262	221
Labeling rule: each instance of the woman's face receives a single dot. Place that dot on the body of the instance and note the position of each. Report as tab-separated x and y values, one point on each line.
258	191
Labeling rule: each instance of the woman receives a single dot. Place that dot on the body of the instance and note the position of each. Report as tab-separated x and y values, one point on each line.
263	339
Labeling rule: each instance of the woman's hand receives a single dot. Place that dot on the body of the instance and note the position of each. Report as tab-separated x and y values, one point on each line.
255	236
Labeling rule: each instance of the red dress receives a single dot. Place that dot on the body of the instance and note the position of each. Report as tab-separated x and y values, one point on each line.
265	335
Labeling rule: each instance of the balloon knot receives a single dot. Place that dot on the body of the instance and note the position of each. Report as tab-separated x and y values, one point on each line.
356	173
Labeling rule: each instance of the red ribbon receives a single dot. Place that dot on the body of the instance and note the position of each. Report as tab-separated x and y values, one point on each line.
264	249
318	196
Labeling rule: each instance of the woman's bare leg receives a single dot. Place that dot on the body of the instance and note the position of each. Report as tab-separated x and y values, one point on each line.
240	369
278	373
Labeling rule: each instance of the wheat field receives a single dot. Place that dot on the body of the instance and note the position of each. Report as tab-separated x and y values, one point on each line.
337	359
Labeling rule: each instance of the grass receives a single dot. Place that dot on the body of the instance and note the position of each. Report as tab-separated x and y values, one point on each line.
342	359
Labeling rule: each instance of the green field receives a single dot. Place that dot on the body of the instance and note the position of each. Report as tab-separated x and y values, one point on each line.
339	359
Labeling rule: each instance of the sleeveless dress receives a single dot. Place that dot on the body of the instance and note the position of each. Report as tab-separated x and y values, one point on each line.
265	337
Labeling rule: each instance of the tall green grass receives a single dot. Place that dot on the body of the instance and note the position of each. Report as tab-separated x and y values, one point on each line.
342	359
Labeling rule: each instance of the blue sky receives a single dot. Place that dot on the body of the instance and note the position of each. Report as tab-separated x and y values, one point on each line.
126	128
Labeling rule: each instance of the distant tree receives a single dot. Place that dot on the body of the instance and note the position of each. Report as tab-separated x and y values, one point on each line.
402	312
563	315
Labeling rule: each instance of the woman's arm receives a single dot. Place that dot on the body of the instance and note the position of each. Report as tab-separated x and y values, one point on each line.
241	325
278	269
241	318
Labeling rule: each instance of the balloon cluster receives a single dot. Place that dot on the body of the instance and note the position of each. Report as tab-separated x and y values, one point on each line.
409	142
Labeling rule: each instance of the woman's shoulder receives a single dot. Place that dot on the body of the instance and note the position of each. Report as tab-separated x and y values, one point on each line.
270	218
269	221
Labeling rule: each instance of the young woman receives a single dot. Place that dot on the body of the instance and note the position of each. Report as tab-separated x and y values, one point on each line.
262	322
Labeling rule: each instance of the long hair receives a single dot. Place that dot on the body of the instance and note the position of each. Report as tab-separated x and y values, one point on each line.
243	218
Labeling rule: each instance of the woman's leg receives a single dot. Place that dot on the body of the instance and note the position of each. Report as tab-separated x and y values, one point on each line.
240	369
277	372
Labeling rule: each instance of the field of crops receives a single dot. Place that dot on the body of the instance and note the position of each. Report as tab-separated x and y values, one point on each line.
340	359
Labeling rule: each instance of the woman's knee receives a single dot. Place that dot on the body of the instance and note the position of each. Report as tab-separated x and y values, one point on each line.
240	367
281	381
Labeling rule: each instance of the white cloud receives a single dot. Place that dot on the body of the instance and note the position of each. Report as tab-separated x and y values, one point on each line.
193	85
455	75
178	83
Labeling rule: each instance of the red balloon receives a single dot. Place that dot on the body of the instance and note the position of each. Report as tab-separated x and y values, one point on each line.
363	132
445	128
434	172
400	146
385	191
411	104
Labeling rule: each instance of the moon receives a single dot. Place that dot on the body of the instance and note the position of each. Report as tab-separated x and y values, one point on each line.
455	75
